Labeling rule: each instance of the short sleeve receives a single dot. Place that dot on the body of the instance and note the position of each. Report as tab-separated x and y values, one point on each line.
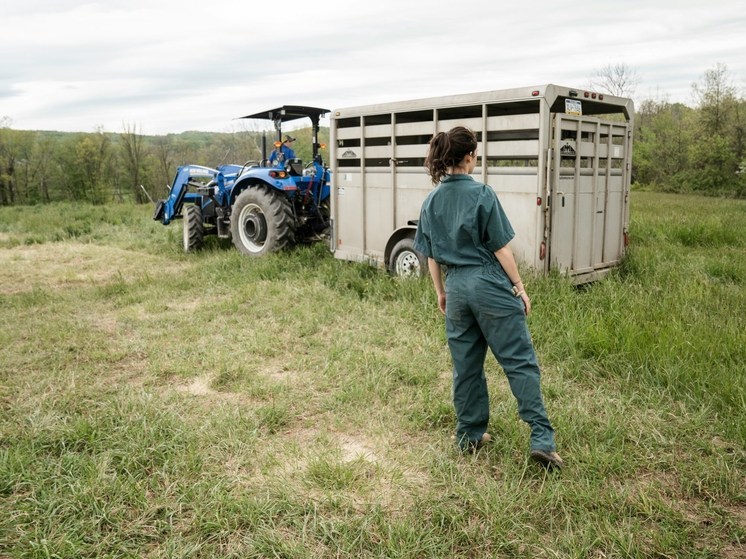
493	226
422	241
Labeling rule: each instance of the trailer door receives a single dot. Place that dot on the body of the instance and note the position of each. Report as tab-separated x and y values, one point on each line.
588	193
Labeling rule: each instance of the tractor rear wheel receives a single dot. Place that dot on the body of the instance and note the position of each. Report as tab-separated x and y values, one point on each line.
262	221
194	229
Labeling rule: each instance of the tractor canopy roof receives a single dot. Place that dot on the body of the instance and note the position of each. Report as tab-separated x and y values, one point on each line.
289	112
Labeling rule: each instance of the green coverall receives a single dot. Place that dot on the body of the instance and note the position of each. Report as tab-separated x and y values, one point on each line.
461	226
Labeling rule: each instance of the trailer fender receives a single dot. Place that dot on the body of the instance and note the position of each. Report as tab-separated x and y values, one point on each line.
396	236
413	263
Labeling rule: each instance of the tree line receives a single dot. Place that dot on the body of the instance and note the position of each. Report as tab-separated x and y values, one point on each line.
701	149
677	148
102	167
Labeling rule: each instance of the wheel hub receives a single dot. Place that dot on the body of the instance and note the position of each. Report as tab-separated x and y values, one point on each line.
407	264
253	227
256	228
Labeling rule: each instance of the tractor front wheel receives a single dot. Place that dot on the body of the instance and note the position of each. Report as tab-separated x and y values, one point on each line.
194	229
262	221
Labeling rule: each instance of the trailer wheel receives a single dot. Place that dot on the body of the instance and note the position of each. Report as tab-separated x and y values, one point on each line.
405	261
262	221
194	230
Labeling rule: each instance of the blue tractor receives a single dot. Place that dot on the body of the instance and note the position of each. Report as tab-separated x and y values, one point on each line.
263	207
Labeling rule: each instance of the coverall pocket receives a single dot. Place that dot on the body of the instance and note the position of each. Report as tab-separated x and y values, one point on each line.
455	311
493	298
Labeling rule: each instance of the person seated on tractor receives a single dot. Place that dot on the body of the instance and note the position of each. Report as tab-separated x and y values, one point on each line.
283	152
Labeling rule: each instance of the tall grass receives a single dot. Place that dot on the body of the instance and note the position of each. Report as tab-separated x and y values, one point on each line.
156	404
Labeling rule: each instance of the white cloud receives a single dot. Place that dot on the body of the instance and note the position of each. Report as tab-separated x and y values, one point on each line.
170	66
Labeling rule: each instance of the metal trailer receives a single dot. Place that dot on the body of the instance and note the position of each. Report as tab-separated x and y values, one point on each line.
558	158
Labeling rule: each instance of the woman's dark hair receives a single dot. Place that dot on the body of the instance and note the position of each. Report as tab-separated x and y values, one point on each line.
448	149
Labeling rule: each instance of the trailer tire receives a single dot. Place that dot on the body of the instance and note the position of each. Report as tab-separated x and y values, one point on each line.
262	221
194	229
405	261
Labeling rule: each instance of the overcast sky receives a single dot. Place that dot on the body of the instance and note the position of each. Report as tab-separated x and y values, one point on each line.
173	65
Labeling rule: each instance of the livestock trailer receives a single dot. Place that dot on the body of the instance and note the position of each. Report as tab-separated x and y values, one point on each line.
559	159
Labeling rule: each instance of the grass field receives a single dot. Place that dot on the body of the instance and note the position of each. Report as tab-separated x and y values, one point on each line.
156	404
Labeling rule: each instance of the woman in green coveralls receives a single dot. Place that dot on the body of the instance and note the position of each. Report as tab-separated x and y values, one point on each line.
463	227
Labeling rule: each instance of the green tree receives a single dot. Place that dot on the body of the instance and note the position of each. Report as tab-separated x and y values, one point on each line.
714	165
720	147
15	165
24	169
716	98
161	165
87	164
133	155
45	168
8	157
663	135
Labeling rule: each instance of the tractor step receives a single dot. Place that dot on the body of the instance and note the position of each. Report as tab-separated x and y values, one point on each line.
224	228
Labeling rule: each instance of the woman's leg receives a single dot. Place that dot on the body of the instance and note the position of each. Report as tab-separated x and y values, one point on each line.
510	342
468	350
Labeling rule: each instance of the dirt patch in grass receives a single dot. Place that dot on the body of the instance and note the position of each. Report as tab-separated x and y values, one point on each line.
201	387
738	512
56	266
379	479
357	447
132	370
198	387
279	374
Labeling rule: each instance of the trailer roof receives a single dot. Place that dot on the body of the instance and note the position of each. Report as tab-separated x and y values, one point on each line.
548	92
289	112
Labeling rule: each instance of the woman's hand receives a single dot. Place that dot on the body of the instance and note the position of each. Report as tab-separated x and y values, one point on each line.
526	302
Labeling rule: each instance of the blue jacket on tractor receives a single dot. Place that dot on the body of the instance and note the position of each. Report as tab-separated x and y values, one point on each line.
283	153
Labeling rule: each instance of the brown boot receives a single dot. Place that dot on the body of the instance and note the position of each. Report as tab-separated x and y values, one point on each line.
474	446
550	460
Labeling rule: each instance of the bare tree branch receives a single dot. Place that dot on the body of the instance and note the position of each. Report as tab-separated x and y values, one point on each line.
618	79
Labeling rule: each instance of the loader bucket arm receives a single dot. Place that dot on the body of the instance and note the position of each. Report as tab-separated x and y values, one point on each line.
166	210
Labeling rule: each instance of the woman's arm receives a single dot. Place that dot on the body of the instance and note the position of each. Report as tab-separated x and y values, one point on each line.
507	261
437	277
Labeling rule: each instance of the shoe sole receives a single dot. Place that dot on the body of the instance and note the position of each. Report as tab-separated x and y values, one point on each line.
546	460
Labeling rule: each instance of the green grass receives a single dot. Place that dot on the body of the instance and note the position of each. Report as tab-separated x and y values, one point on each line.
156	404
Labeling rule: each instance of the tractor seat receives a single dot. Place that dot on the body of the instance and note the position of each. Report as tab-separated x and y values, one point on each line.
294	167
